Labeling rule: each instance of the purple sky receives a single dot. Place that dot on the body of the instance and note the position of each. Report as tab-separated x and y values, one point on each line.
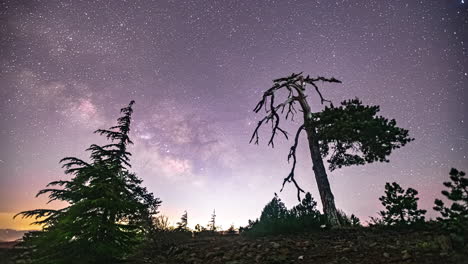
196	69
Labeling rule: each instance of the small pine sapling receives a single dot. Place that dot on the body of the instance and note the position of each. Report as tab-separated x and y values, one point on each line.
401	206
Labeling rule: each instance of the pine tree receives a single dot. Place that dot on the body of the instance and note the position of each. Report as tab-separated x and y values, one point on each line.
182	225
109	212
350	134
274	210
307	207
355	221
212	223
401	206
455	217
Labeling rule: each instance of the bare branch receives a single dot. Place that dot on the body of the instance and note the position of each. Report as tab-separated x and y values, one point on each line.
295	84
292	154
312	81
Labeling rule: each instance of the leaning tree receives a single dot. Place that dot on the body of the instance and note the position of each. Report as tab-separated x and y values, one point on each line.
350	134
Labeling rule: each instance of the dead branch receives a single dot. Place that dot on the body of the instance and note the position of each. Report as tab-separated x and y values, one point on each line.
295	84
292	154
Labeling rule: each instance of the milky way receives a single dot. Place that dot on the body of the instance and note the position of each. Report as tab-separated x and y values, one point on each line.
197	68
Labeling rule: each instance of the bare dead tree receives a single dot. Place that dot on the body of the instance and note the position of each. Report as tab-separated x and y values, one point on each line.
353	131
295	85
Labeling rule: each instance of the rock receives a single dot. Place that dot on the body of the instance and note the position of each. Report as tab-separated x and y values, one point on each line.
300	258
373	244
346	249
284	251
211	254
258	258
275	245
444	243
405	255
385	254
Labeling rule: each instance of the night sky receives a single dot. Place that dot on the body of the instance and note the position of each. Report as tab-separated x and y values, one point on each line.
196	69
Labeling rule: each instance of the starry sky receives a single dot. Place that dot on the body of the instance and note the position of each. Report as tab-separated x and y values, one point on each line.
196	69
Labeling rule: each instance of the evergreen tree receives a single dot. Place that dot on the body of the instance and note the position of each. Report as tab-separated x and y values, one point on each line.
401	206
351	134
212	223
274	210
307	207
109	212
455	217
355	221
182	225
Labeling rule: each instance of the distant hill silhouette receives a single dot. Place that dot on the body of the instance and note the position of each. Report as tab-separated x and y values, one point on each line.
11	234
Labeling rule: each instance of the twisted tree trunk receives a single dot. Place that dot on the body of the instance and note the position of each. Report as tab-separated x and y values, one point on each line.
326	195
323	185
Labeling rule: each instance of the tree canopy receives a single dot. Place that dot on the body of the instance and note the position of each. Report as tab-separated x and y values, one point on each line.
108	213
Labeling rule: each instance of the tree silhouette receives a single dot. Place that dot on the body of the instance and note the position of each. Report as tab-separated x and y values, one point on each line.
455	217
307	207
401	206
274	210
350	134
182	225
212	223
108	213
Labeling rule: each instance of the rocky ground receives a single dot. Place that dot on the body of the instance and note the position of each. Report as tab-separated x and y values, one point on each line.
332	246
362	245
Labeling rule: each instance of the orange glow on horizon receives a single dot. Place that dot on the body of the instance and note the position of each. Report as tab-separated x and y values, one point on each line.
7	222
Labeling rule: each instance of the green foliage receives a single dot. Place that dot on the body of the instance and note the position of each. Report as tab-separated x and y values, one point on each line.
274	210
231	230
109	213
348	221
355	135
455	217
277	219
199	228
401	206
182	225
355	221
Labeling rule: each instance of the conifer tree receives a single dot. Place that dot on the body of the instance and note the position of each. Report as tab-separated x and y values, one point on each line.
274	210
401	206
109	212
307	207
355	221
182	225
212	223
455	217
350	134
